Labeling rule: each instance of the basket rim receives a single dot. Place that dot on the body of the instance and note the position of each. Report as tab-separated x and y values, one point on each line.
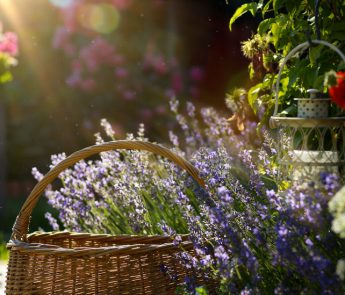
94	236
128	249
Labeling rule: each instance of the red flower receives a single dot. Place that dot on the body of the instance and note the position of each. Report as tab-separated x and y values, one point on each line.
337	91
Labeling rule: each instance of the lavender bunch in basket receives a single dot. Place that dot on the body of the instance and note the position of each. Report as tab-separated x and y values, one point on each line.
122	192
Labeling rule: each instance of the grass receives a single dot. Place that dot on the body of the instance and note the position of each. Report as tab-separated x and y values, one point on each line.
3	252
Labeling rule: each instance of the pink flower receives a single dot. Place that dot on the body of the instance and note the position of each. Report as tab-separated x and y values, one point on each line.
88	85
147	114
69	15
99	52
76	66
74	80
9	43
122	4
160	65
129	95
161	110
61	38
103	49
170	93
196	73
194	91
118	59
176	82
121	73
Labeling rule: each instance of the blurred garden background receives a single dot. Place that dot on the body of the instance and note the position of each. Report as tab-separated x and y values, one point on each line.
80	61
202	78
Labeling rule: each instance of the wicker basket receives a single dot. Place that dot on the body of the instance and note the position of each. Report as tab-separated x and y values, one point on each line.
81	263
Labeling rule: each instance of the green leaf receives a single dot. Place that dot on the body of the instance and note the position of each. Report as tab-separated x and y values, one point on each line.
291	110
266	7
6	77
339	36
252	7
314	54
275	29
201	291
339	26
277	4
253	95
260	4
265	25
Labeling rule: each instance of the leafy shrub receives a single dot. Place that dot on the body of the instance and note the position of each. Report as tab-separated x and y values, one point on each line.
3	250
284	25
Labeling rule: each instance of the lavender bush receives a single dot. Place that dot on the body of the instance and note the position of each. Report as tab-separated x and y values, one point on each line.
249	237
113	194
256	241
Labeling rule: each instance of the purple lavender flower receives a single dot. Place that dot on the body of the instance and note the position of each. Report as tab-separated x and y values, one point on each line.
52	221
248	236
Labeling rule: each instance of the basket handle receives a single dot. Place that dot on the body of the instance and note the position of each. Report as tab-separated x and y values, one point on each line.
302	46
21	224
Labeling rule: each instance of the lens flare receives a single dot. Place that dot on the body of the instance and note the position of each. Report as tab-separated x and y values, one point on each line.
101	18
61	3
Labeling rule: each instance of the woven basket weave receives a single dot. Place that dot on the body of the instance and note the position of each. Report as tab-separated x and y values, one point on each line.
81	263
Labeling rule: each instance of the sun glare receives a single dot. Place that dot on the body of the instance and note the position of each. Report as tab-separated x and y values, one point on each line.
61	3
28	47
101	18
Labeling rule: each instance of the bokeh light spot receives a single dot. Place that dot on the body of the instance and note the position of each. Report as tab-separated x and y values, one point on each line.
61	3
102	18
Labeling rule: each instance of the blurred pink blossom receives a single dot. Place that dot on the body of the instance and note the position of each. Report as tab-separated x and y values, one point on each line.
122	4
9	43
129	95
117	59
170	93
61	37
69	15
146	113
160	65
99	52
74	80
133	76
161	109
121	72
173	62
69	50
194	91
76	66
61	40
176	82
88	84
196	73
148	60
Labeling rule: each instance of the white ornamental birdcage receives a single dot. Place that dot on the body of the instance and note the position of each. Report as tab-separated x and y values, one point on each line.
312	142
